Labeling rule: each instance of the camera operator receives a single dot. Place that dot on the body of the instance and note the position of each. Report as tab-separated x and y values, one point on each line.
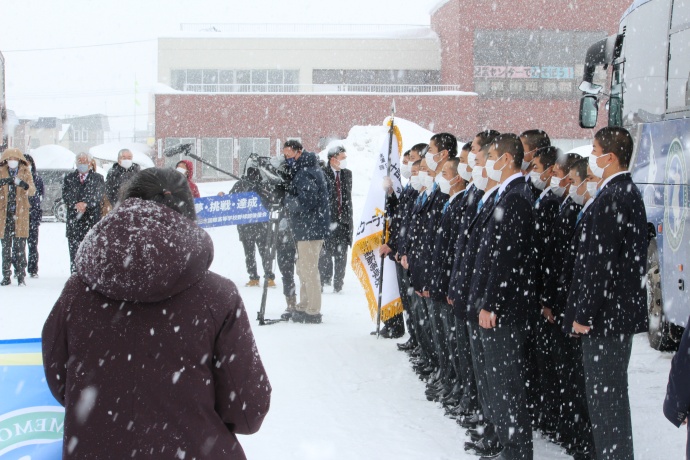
306	205
255	235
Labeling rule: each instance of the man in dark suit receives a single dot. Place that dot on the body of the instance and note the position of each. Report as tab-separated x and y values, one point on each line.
533	141
333	258
610	305
82	192
502	276
677	402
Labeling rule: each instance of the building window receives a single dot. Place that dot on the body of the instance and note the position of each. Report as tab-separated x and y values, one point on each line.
231	80
84	135
375	77
218	152
532	86
248	145
497	85
565	87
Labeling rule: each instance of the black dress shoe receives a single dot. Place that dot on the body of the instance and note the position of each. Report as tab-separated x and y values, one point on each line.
33	275
485	447
5	281
287	314
306	318
407	346
20	281
470	422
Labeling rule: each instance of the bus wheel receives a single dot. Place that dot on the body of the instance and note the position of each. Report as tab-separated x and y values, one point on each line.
60	211
659	329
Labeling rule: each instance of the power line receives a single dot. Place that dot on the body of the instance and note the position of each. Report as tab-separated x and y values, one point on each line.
29	50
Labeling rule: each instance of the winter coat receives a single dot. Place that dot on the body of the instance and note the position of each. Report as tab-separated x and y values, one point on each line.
677	402
341	223
117	177
90	192
22	194
157	348
190	174
307	200
36	213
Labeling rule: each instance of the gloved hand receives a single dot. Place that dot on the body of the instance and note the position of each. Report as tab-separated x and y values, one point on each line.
20	183
6	181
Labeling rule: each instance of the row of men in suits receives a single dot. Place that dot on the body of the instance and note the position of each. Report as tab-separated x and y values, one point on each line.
522	274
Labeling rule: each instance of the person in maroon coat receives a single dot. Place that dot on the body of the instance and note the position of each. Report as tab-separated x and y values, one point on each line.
152	354
186	168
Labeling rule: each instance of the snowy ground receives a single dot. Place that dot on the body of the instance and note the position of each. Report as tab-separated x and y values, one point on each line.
339	393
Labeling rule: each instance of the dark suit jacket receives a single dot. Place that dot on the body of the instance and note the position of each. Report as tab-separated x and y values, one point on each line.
503	273
545	212
400	209
342	230
612	263
422	241
443	249
90	192
461	294
554	294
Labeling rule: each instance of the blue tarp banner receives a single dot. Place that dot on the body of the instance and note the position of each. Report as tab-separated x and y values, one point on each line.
233	209
31	420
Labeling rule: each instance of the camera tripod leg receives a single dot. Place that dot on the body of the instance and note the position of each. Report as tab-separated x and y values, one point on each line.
272	239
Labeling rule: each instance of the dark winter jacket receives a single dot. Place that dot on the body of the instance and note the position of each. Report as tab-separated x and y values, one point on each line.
545	212
677	402
400	209
251	232
341	223
307	200
36	213
117	177
612	263
90	192
152	354
420	254
190	175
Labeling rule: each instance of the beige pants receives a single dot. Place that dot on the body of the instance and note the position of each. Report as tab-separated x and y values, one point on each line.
309	278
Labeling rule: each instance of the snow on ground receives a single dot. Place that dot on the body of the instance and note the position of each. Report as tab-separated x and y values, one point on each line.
338	393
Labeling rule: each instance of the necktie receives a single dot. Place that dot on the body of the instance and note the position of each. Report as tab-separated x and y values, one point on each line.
338	192
579	216
497	197
480	205
445	207
82	177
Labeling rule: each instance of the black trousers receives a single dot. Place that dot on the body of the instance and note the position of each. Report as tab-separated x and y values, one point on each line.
333	260
423	329
504	360
73	243
252	240
479	367
32	242
404	289
13	248
547	404
464	369
605	361
286	251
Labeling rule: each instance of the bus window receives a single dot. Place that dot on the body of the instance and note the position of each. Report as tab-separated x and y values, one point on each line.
615	104
678	70
681	13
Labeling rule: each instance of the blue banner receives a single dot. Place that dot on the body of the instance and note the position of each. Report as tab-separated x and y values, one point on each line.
233	209
31	421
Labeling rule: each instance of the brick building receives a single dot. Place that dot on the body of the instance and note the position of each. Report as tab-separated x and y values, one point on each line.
233	89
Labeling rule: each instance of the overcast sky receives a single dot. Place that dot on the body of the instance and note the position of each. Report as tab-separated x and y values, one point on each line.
53	69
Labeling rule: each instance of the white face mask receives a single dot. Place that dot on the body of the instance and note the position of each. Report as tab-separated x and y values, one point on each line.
494	174
343	163
182	171
472	159
13	164
443	184
406	170
430	162
416	183
596	170
464	173
479	181
592	188
576	197
535	177
126	163
556	186
429	182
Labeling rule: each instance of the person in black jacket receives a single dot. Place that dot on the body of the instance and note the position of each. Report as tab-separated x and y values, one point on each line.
306	204
35	216
677	402
502	275
610	304
333	258
121	173
533	141
82	192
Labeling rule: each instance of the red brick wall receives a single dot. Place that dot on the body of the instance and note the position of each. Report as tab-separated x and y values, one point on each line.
310	117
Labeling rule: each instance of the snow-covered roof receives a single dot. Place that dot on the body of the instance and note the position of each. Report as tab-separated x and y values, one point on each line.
53	156
344	31
109	151
63	131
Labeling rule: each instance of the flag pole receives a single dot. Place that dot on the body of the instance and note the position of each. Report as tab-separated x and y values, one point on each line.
385	220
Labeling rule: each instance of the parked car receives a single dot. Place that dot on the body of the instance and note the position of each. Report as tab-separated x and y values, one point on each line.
52	204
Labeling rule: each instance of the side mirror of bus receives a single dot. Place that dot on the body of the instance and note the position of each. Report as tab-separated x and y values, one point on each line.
589	111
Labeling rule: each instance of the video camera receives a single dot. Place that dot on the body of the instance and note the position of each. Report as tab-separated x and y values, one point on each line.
273	178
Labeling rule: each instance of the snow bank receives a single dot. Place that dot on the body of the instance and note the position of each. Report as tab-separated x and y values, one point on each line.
53	157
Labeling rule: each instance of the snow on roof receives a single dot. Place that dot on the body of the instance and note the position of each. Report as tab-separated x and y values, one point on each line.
343	31
109	151
53	156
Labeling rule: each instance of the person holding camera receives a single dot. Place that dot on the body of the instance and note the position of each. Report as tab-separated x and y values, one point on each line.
307	208
16	186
